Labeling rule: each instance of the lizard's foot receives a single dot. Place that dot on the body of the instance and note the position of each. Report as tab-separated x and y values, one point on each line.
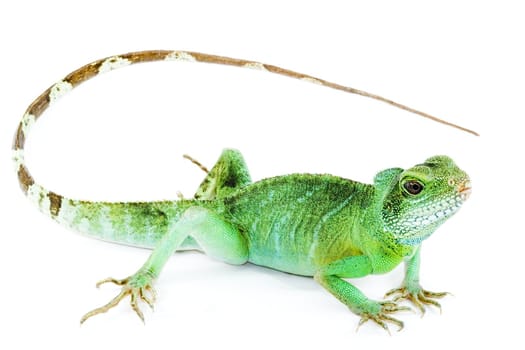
381	316
417	296
138	287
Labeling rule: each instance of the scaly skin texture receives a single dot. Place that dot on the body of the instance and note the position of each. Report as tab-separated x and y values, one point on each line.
322	226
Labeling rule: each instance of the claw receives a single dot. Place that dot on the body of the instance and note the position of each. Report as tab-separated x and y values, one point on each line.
196	162
419	299
415	300
382	318
391	307
136	293
392	292
114	302
135	306
112	280
425	296
438	295
400	325
376	320
148	300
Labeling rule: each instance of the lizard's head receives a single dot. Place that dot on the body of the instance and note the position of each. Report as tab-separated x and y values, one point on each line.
417	200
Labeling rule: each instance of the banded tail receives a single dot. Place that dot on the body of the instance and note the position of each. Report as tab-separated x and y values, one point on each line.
62	209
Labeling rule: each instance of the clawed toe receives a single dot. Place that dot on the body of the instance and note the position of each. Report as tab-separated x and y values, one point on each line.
145	292
419	298
382	318
381	321
112	280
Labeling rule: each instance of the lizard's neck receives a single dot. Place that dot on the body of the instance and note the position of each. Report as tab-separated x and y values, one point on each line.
382	247
385	252
392	246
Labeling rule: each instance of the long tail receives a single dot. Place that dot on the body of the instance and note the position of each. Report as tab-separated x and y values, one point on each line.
53	203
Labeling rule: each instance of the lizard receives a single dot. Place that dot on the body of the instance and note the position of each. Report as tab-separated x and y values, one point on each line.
318	225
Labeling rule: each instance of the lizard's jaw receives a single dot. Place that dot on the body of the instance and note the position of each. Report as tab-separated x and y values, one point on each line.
465	190
420	223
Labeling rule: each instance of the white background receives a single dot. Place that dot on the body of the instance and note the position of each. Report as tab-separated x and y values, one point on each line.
121	137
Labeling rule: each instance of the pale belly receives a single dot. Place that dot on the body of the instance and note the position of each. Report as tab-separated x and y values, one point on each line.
296	267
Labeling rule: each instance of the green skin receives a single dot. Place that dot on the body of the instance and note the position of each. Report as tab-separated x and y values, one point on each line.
313	225
322	226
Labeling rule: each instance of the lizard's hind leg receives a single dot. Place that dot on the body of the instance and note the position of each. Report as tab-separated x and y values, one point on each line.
229	174
217	237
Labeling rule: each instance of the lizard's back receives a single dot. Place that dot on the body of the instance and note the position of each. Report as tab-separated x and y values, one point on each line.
295	223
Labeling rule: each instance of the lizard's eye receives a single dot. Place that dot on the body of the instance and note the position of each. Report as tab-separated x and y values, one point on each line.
413	187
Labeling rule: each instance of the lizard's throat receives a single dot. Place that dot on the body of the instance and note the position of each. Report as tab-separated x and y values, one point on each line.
416	225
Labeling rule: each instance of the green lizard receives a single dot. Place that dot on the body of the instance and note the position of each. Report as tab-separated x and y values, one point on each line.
322	226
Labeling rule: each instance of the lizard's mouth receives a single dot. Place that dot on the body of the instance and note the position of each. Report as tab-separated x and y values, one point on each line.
465	189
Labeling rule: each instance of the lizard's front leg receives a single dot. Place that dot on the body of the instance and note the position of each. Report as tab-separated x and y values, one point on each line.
218	238
411	289
330	277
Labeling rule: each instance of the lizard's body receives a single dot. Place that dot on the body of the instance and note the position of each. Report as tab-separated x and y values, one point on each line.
291	222
298	242
312	225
